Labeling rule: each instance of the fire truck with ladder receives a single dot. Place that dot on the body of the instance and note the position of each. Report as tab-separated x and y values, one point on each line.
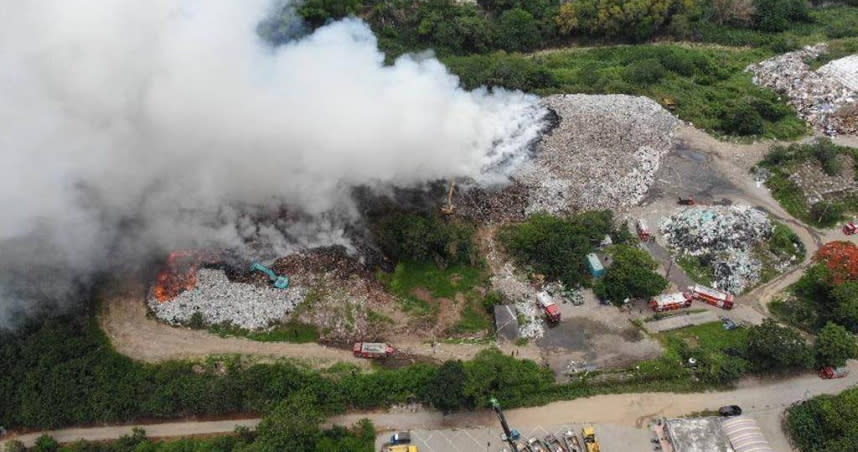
670	301
715	297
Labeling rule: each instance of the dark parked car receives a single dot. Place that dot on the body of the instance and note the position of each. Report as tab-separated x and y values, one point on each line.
731	410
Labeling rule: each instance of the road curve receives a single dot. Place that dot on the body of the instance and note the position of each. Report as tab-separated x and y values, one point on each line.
764	400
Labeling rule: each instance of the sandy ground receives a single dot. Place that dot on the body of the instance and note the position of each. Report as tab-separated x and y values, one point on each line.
762	400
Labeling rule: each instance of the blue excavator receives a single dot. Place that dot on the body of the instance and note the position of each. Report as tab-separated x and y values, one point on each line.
280	281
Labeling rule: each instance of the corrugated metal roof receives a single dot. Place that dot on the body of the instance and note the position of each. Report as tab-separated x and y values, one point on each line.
745	435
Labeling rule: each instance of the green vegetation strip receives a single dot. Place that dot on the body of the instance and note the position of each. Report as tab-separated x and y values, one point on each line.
706	86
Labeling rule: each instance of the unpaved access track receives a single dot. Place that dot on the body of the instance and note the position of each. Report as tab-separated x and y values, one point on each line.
762	400
133	333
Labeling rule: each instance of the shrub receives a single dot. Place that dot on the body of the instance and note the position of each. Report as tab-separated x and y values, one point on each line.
834	345
742	119
644	72
776	15
517	30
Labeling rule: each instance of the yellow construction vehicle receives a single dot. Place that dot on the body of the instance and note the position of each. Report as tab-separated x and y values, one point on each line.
449	208
590	442
402	448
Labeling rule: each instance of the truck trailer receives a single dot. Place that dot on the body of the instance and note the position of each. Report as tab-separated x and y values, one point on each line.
670	301
715	297
377	350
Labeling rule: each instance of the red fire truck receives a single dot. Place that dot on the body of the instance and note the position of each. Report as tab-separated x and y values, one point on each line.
670	301
715	297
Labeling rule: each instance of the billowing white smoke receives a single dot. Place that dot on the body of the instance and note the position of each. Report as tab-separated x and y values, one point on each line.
163	109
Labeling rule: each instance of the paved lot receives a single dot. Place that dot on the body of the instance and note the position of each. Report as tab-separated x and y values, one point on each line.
613	438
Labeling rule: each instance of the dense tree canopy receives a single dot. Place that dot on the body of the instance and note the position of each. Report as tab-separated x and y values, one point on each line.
825	423
772	347
834	345
556	247
631	274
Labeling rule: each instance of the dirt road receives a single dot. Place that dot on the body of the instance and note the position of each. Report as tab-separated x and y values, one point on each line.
124	320
133	333
765	401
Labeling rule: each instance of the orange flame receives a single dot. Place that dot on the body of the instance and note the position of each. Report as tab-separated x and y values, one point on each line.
180	273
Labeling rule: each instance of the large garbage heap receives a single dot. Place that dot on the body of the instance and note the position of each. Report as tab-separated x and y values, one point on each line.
723	236
338	285
820	97
220	301
603	154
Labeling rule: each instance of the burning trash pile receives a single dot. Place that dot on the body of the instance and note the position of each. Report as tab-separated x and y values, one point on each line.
723	237
824	97
220	301
603	154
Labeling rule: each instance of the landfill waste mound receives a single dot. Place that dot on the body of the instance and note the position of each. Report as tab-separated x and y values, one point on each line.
603	154
824	98
523	296
722	236
220	301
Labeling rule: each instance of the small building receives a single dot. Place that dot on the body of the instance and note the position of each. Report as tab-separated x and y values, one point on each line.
595	265
506	322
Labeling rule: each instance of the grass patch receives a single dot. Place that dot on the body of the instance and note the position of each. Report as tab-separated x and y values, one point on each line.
441	283
708	336
378	318
797	312
696	269
474	320
708	85
292	331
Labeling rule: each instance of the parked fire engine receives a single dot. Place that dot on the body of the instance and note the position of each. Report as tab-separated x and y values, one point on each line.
670	301
715	297
548	306
643	230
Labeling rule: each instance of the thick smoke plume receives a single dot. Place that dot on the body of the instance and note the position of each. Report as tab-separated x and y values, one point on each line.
128	126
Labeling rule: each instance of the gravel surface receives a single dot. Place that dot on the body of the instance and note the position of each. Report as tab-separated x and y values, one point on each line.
820	97
725	237
219	300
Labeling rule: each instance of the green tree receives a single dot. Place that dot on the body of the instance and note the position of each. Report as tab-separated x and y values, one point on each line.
447	392
292	425
772	347
317	12
631	274
518	31
46	443
834	345
776	15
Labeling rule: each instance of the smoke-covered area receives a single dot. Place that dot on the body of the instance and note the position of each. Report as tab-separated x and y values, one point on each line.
129	128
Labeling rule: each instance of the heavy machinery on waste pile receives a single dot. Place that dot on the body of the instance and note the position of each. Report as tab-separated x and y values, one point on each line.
686	201
548	306
511	436
280	281
590	441
449	209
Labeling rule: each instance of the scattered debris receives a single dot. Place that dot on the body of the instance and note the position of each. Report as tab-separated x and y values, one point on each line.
220	300
823	97
724	236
